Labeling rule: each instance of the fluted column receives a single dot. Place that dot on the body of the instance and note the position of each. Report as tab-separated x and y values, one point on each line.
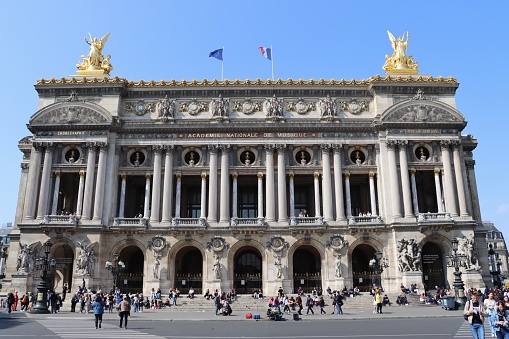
281	184
212	216
168	184
224	206
146	202
450	200
328	213
438	190
81	188
459	180
178	195
234	198
32	181
270	203
393	174
89	182
292	196
414	191
45	183
156	187
338	182
203	201
317	194
260	195
372	193
348	197
405	181
56	192
101	179
121	209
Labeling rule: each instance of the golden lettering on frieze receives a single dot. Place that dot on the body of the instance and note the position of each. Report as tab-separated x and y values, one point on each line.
67	133
244	135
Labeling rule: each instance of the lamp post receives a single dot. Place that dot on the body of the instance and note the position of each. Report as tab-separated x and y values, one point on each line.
455	260
43	263
377	264
115	267
494	267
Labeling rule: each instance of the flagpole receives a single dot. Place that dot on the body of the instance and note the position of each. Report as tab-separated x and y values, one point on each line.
222	66
272	52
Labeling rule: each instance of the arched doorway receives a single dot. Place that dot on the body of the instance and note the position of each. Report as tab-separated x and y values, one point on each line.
247	272
189	270
64	265
130	279
364	276
432	266
307	269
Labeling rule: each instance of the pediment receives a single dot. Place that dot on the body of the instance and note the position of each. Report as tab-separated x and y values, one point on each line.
71	113
422	111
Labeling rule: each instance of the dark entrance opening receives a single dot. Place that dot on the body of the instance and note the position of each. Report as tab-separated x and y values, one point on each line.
189	269
68	193
307	269
247	274
363	276
130	280
62	272
433	273
426	191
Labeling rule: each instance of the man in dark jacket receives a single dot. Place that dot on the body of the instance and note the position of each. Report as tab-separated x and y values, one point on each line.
10	301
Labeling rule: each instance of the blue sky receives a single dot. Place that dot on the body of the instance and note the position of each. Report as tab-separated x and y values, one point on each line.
165	40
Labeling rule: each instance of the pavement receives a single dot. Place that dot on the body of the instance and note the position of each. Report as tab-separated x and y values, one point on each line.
174	314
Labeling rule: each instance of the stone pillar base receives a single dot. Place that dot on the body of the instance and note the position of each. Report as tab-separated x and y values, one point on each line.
21	284
413	277
78	281
472	279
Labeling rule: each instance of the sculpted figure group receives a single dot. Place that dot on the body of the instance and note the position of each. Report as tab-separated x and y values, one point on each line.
409	255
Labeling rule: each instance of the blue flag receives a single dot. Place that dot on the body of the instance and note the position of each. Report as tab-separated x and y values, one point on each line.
218	54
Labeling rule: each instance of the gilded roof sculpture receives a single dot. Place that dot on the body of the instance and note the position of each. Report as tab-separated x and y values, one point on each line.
399	62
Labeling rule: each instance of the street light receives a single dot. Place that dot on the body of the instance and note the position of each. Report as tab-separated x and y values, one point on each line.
377	264
455	260
115	267
494	267
44	264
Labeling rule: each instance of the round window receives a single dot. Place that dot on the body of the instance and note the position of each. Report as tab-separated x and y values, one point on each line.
137	158
192	158
303	157
357	157
72	155
247	158
422	153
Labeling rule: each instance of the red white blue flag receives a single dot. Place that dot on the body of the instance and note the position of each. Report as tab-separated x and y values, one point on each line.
266	52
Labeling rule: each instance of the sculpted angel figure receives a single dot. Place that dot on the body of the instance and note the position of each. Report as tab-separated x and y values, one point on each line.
399	58
219	106
95	59
166	107
328	107
217	267
86	259
279	266
22	266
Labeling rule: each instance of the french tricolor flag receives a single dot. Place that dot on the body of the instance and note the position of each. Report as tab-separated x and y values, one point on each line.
266	52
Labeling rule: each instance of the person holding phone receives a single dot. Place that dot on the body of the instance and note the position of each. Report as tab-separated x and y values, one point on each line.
474	312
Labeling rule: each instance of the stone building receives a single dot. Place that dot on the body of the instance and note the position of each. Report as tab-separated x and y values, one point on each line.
248	184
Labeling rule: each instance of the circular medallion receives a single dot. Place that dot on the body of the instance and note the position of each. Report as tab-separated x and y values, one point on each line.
247	107
194	108
301	107
354	107
140	108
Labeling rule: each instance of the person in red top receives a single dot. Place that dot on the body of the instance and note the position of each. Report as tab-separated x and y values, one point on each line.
15	305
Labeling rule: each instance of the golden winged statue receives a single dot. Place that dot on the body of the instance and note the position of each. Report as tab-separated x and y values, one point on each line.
95	63
400	62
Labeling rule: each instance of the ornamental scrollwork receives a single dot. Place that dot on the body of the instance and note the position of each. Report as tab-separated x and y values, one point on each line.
300	106
193	107
247	106
336	242
277	243
157	244
217	244
354	106
140	108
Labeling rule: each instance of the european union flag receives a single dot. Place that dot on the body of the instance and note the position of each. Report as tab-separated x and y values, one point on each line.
218	54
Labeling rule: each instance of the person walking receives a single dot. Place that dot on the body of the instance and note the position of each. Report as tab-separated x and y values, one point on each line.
217	303
500	318
475	311
299	303
378	301
489	303
125	310
10	301
98	307
309	304
15	303
321	304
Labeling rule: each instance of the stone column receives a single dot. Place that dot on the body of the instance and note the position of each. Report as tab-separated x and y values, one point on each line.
414	191
338	182
459	180
234	198
260	195
212	216
89	181
224	205
281	184
405	181
328	213
156	187
121	209
317	194
292	196
270	203
472	185
393	174
81	187
146	203
101	178
203	201
33	181
45	183
448	179
372	193
56	192
168	184
348	198
438	190
178	195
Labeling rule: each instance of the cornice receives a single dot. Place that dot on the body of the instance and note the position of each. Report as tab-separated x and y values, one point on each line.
245	83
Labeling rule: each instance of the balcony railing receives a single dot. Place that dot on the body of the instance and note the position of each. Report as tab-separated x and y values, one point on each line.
234	222
372	219
65	220
308	221
130	222
192	222
423	217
